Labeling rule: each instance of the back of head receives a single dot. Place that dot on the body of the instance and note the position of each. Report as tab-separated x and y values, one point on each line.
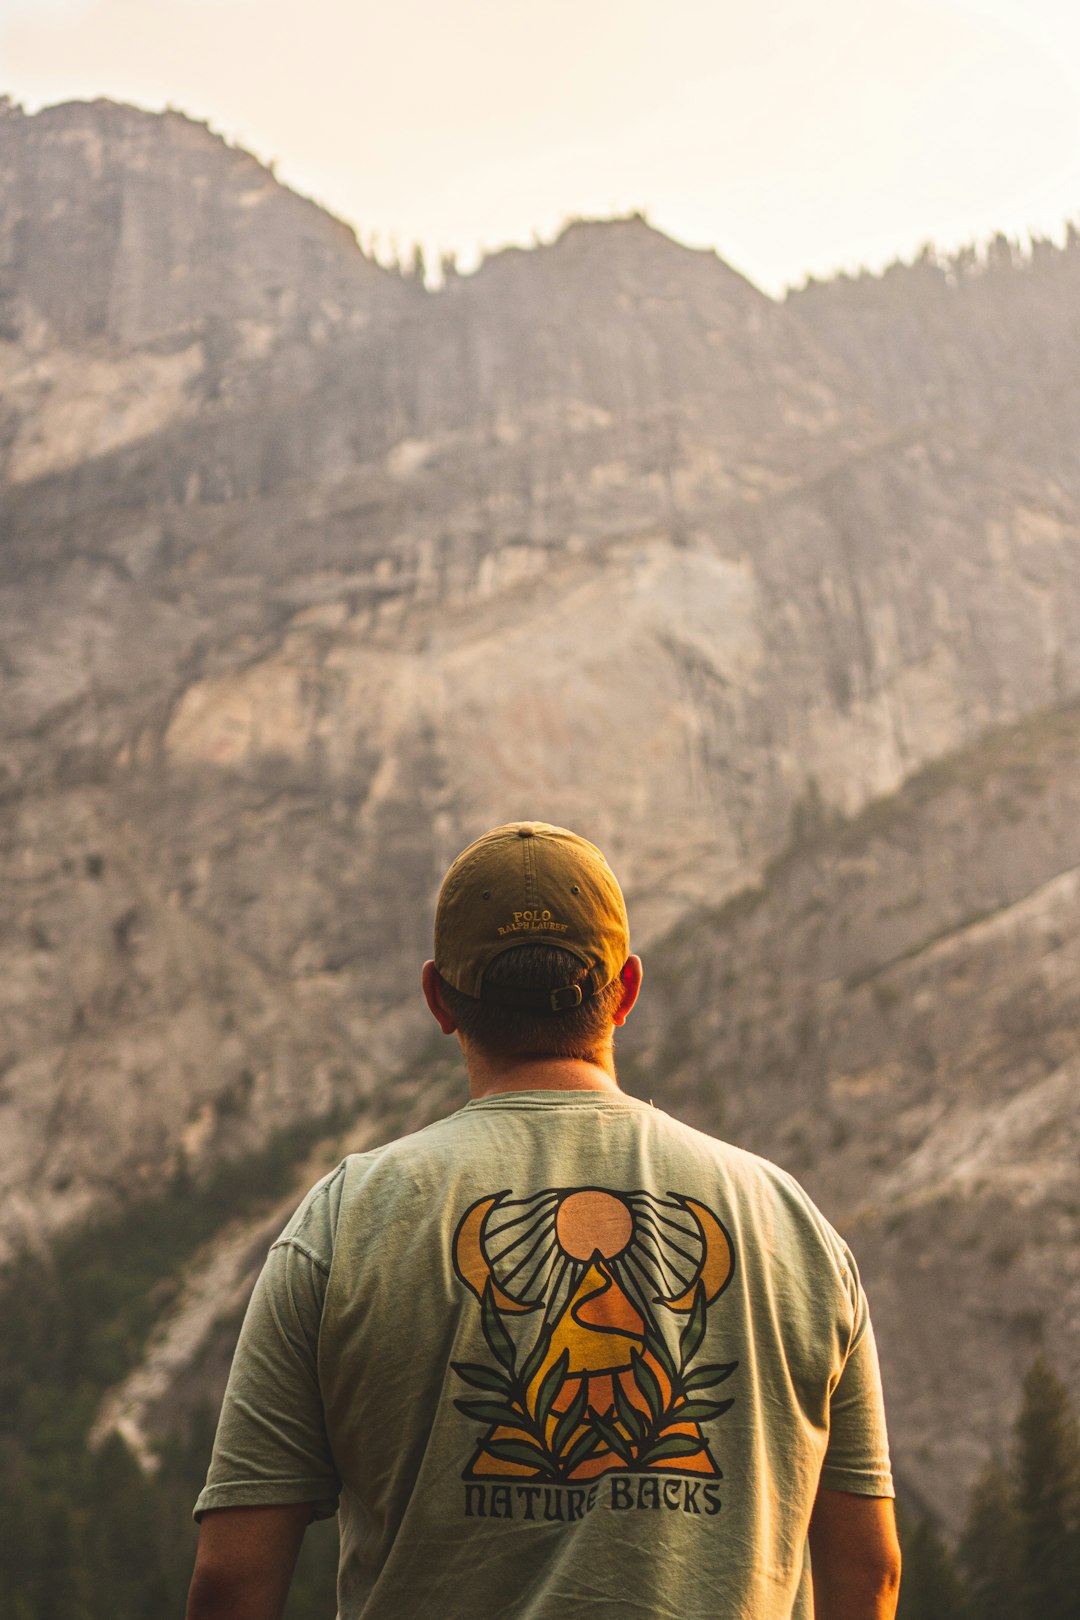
518	1033
531	934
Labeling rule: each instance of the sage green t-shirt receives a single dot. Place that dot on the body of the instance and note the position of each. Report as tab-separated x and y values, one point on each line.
557	1354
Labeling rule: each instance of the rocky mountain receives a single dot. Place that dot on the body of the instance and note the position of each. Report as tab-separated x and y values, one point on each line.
893	1012
308	574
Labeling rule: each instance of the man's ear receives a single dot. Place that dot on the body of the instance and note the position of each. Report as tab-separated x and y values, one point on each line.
432	987
631	975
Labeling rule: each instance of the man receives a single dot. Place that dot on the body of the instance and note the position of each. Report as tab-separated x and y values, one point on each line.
558	1354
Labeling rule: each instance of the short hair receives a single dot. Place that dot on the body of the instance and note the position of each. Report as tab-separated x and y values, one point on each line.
581	1032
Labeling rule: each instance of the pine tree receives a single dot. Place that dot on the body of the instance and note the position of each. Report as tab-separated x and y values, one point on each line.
1048	1496
65	1585
929	1588
417	270
989	1553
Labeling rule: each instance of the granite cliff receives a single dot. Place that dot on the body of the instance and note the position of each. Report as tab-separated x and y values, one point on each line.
308	574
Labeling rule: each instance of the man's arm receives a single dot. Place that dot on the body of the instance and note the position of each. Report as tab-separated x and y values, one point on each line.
245	1561
854	1557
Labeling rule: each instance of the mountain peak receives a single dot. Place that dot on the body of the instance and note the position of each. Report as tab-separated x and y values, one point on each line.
133	226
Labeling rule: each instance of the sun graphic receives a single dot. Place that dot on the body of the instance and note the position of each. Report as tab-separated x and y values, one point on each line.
599	1388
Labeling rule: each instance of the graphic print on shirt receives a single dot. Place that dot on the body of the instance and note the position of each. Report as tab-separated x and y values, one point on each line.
576	1285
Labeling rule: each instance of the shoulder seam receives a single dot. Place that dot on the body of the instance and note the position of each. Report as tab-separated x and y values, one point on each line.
302	1248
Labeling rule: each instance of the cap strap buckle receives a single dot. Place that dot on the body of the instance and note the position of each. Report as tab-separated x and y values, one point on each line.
569	995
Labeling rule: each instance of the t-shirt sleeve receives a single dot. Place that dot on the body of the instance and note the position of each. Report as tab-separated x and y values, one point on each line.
857	1455
271	1445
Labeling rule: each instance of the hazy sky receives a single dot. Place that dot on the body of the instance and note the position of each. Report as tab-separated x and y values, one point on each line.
794	137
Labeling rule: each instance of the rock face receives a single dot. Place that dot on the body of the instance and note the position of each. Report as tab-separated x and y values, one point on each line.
892	1013
308	575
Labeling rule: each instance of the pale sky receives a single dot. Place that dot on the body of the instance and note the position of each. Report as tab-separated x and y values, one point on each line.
794	137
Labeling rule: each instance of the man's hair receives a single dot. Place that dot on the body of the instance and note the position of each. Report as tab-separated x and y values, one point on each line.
512	1033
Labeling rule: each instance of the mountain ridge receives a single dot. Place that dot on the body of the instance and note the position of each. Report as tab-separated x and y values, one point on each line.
307	576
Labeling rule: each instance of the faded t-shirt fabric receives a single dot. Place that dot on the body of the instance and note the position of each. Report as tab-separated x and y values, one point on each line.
557	1354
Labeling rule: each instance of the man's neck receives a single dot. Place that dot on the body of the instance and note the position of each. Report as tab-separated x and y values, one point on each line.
488	1077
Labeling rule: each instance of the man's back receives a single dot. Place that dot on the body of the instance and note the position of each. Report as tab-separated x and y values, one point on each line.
571	1352
556	1354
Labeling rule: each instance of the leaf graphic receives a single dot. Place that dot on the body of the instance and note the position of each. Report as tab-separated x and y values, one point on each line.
708	1374
518	1451
629	1416
584	1447
499	1341
492	1412
694	1330
482	1377
645	1379
700	1411
570	1421
553	1381
671	1446
535	1359
617	1442
658	1345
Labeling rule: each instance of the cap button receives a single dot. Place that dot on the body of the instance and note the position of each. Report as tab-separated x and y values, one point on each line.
525	832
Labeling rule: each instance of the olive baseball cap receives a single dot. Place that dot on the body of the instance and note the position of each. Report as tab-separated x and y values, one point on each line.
528	882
